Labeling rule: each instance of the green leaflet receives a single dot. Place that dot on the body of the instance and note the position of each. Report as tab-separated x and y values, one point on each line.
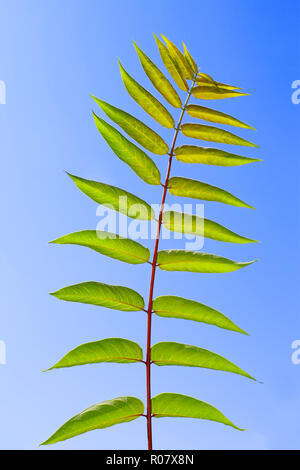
177	354
171	65
103	295
196	262
195	225
187	187
210	92
190	59
171	306
212	115
128	152
109	244
115	198
102	415
184	67
203	80
135	128
182	406
147	101
210	156
213	134
118	350
157	78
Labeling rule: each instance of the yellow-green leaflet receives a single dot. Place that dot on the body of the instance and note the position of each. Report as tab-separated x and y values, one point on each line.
128	152
196	262
212	115
122	351
171	65
115	198
177	354
158	79
203	80
210	156
171	306
190	59
213	134
102	415
135	128
147	101
195	225
109	244
102	295
182	406
210	92
186	187
184	67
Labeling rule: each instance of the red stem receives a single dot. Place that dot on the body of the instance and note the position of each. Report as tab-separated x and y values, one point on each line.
149	311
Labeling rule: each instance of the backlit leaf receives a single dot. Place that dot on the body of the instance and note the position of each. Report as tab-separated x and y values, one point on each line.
213	134
109	244
157	78
147	101
195	225
186	187
210	156
190	59
181	406
211	115
135	128
171	65
115	198
128	152
196	262
118	350
103	295
210	92
203	80
171	306
102	415
184	67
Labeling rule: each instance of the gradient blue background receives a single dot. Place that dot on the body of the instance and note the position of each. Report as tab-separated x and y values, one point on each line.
53	55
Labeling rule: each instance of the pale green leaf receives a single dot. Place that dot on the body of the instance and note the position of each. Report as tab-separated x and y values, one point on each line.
177	354
203	80
158	79
181	406
135	128
118	350
195	225
190	59
213	134
105	414
196	262
210	92
102	295
129	153
210	156
187	187
171	306
211	115
171	65
184	67
147	101
115	198
109	244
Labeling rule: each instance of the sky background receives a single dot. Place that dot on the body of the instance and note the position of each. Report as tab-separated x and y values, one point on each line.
53	56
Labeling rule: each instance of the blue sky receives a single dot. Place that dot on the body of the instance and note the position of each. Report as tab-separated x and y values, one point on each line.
53	56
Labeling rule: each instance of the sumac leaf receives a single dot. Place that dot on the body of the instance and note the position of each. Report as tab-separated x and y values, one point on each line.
210	92
170	65
212	115
184	67
213	134
190	59
210	156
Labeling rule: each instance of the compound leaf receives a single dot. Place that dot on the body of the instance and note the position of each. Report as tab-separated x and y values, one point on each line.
118	350
213	134
109	244
103	295
115	198
171	306
212	115
184	67
186	187
197	262
170	65
105	414
210	156
135	128
146	100
175	405
212	92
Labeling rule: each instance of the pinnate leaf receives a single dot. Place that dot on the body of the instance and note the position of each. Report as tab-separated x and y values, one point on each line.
184	67
170	65
105	414
190	59
213	134
212	115
211	92
210	156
